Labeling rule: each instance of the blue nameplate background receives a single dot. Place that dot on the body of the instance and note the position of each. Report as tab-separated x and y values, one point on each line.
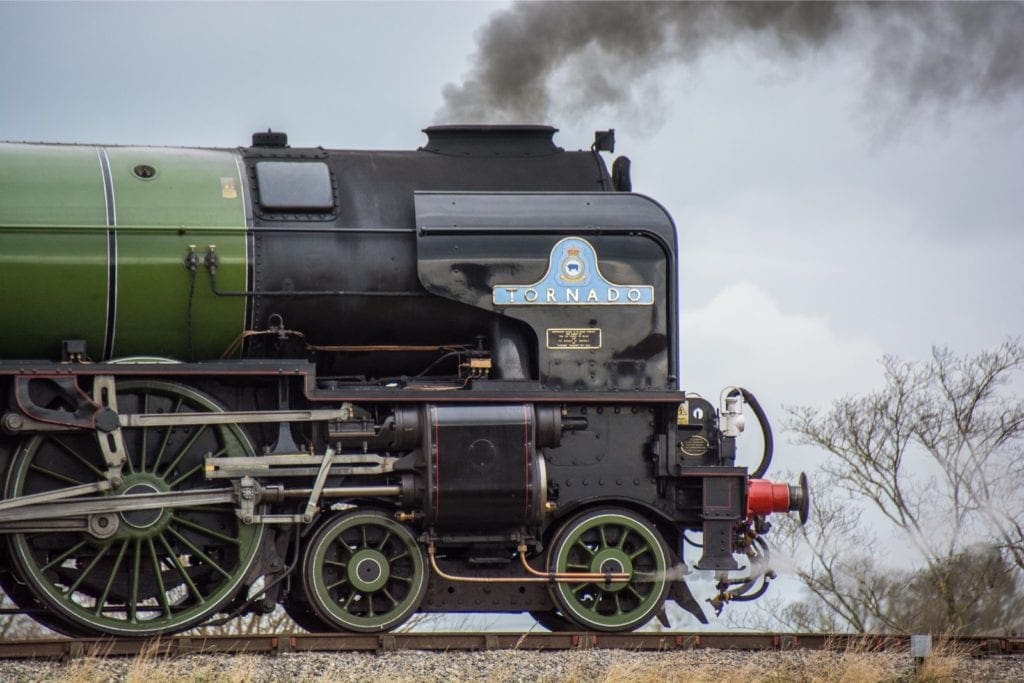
573	279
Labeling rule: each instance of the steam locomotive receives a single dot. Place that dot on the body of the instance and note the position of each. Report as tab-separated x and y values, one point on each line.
361	384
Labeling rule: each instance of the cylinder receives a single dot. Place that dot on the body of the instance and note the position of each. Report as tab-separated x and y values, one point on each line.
484	470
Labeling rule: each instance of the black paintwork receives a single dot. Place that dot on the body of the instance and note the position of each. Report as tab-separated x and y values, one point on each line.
390	244
469	242
404	249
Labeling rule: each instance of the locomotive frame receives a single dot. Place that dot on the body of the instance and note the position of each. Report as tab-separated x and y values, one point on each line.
453	388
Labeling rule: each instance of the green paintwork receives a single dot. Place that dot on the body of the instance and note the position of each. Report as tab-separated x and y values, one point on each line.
51	185
54	242
158	218
53	249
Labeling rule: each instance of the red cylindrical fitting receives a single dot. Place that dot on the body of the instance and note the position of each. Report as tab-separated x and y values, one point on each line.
765	497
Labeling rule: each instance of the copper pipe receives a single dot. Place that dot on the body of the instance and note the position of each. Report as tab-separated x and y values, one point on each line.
538	577
571	577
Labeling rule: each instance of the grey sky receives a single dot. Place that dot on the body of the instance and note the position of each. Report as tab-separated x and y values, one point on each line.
818	229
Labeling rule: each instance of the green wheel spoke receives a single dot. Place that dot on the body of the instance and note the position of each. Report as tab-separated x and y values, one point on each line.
133	600
604	538
403	579
635	592
333	563
202	556
577	589
194	470
582	546
128	462
102	600
77	456
574	565
158	572
332	586
387	537
62	557
387	594
618	604
400	556
56	475
622	538
641	551
206	531
145	434
166	438
182	572
87	570
183	451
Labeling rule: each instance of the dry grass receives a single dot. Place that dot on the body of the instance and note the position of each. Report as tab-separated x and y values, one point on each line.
856	663
818	667
151	667
947	658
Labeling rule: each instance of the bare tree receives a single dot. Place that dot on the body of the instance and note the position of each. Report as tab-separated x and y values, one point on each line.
846	587
250	624
18	626
939	452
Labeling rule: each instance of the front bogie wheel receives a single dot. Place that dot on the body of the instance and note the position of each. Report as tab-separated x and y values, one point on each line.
610	540
364	572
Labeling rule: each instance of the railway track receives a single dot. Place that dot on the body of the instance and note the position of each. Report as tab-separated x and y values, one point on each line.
65	648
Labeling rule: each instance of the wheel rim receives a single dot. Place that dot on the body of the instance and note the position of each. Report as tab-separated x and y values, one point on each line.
25	599
365	572
158	571
611	541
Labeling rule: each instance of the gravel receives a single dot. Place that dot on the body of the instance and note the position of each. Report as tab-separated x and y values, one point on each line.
513	666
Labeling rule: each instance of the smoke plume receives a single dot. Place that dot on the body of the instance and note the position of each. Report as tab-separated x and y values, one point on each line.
539	59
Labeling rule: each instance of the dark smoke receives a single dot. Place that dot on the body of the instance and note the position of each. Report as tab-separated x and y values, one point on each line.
536	59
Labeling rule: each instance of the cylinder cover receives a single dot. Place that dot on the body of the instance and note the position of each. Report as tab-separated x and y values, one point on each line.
485	473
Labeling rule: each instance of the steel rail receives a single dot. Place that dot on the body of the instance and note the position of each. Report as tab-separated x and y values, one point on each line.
272	644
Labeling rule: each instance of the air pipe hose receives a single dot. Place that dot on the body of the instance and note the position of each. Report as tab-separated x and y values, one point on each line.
766	432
